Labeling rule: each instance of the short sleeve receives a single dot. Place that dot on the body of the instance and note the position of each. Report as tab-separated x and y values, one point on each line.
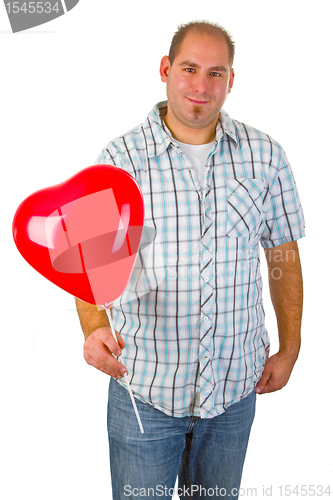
284	218
112	155
109	156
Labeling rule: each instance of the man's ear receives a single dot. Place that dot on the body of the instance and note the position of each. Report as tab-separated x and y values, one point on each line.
231	80
165	68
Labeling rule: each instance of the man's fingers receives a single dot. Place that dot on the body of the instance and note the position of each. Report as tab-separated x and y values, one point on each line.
105	362
100	350
260	388
121	341
108	340
275	375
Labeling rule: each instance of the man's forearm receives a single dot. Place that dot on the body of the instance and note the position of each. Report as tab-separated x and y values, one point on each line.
286	290
90	317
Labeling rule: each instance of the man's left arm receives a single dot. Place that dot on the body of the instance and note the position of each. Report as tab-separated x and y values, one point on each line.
286	290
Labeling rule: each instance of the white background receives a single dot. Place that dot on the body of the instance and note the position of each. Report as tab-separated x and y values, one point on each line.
67	88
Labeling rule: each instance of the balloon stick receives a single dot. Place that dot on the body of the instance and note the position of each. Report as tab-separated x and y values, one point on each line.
108	312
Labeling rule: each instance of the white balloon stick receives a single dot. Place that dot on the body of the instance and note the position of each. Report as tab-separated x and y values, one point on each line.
108	312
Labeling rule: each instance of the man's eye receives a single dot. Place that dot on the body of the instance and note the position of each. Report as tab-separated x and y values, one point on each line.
215	74
190	70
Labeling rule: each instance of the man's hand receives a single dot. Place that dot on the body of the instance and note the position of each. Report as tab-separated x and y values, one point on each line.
100	350
276	373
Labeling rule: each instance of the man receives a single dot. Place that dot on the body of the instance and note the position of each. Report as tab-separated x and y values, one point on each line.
196	345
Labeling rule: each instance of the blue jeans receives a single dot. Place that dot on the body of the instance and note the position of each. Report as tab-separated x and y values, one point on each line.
206	454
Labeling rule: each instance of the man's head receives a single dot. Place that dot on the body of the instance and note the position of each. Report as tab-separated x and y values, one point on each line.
199	78
203	28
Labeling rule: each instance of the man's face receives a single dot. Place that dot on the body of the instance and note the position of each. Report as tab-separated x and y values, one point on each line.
198	81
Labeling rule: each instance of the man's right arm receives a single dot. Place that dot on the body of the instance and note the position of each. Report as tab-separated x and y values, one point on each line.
100	348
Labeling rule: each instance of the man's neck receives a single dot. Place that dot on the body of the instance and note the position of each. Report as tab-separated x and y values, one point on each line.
189	135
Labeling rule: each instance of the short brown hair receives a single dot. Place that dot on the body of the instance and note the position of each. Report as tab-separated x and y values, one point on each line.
201	27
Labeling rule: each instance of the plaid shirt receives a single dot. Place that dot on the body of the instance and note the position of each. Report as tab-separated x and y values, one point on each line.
195	335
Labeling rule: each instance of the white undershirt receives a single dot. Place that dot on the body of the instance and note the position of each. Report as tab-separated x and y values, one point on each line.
197	156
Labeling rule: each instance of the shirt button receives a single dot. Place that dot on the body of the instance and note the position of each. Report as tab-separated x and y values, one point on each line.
206	279
205	318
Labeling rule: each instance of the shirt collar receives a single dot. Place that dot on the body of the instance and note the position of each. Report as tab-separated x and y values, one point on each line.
159	137
226	125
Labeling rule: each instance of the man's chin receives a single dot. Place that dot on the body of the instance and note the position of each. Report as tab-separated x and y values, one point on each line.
197	109
197	120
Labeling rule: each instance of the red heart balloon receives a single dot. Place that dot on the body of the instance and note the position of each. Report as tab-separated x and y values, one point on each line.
84	234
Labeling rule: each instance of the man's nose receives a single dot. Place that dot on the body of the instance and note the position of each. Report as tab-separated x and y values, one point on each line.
200	83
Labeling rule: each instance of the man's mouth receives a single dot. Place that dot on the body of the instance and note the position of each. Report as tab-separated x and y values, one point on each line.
198	103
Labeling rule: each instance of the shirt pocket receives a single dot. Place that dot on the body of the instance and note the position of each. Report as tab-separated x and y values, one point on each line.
244	206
